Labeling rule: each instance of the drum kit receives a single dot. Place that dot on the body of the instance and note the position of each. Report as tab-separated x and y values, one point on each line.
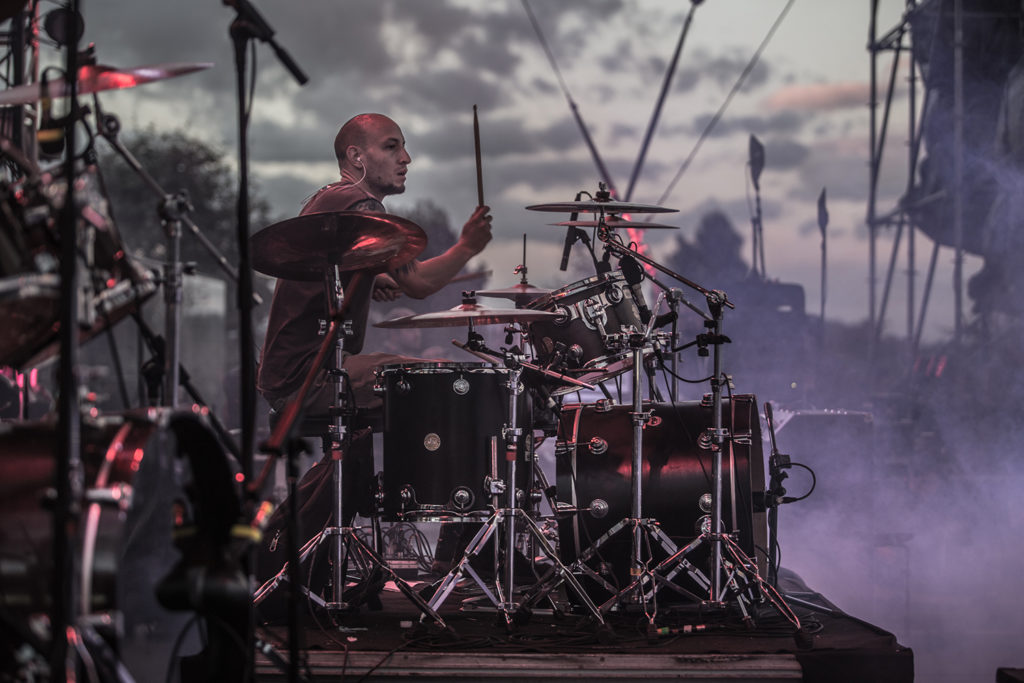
447	427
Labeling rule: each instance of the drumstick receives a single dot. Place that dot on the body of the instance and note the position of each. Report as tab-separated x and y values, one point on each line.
479	169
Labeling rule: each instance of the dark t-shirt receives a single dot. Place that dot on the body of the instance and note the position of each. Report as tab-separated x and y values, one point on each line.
299	311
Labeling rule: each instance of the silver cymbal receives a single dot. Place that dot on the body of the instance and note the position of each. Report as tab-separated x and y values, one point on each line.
593	206
617	223
96	78
468	314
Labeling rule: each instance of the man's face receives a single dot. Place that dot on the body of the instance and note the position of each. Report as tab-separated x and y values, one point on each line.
385	159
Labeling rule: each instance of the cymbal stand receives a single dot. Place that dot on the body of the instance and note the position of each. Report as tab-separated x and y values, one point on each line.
281	438
740	574
504	519
174	213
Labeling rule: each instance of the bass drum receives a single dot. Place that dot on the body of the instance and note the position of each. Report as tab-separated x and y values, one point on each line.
135	490
439	422
594	461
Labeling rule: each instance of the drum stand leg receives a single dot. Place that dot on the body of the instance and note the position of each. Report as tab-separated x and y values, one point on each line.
343	536
505	518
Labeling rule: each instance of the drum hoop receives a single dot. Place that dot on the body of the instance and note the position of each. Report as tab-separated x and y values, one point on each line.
580	286
438	368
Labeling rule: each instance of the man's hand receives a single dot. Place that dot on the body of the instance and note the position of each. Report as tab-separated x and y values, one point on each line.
385	288
476	233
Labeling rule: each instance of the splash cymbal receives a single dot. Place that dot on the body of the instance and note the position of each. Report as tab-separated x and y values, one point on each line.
97	78
594	206
520	293
302	248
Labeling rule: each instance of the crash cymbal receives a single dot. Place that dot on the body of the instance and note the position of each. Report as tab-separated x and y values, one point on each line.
96	78
593	206
617	223
468	314
302	248
520	293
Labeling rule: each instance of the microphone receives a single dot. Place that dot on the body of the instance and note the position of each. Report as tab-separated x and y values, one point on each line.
634	275
570	237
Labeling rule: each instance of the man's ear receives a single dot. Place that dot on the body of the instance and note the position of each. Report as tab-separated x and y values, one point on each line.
354	156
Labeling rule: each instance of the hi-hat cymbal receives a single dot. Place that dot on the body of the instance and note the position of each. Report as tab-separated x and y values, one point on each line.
520	293
617	223
593	206
96	78
468	314
302	248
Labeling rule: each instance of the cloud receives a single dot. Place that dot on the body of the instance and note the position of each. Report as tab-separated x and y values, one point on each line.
723	70
781	155
779	122
499	137
819	96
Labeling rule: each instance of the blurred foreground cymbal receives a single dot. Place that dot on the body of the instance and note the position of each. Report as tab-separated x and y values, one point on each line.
302	248
8	8
593	206
617	223
520	293
97	78
468	314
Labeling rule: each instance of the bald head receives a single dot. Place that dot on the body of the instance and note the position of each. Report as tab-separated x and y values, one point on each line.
370	148
357	131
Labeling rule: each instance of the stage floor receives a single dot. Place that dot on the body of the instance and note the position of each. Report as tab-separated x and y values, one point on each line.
387	641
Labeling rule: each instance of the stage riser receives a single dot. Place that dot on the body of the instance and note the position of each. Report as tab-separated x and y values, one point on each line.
476	668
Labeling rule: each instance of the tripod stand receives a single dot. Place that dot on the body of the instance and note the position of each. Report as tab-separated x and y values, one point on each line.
339	441
503	521
733	575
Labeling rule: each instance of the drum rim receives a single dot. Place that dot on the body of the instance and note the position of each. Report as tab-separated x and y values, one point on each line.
612	276
438	367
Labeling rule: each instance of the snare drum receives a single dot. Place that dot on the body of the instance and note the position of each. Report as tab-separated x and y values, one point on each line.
592	311
30	265
442	430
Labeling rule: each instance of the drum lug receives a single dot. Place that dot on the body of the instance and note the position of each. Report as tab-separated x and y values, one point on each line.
462	499
494	486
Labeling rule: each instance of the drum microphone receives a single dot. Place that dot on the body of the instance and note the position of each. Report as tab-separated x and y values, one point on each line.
570	236
634	275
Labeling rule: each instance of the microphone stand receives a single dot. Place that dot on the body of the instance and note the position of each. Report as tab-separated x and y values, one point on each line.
68	472
249	24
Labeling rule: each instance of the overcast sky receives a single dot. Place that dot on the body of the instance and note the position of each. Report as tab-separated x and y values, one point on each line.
427	62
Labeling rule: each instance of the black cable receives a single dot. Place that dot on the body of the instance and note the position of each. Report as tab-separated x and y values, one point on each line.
814	483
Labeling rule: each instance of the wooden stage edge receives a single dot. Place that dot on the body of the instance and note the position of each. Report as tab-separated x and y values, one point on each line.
533	668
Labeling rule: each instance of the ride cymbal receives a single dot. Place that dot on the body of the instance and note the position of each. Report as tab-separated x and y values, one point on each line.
594	206
302	248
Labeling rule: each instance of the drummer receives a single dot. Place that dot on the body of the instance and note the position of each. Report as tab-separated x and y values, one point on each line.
373	161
